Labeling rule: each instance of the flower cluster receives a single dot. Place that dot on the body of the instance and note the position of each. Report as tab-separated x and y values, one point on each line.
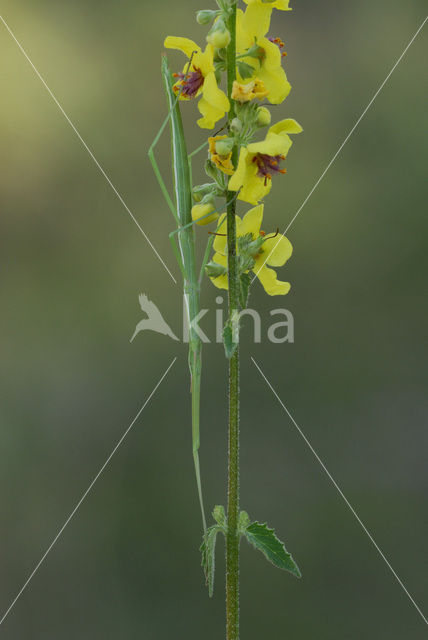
240	164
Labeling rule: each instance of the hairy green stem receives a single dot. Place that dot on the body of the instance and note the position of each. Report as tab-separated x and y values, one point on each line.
232	538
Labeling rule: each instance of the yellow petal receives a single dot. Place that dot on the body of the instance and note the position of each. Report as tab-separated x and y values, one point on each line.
205	61
243	92
275	82
214	95
220	241
286	126
221	282
185	45
252	221
282	5
273	56
213	104
244	39
224	163
256	20
200	214
274	145
278	4
210	114
212	142
276	251
219	258
237	180
269	280
255	188
252	187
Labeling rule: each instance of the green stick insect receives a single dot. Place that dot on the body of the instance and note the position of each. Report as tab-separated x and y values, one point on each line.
184	249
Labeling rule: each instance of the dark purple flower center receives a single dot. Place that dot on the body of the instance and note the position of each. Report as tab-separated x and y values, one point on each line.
190	83
268	165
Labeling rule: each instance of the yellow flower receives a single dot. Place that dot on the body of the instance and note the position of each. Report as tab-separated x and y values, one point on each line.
266	251
249	91
252	27
200	80
272	4
223	162
200	213
260	160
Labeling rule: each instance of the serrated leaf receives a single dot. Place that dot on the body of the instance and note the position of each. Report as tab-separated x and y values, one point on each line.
265	540
208	556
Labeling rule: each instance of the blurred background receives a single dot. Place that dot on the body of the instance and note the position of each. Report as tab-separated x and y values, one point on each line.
72	266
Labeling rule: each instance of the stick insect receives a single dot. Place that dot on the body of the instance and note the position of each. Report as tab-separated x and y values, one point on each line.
184	248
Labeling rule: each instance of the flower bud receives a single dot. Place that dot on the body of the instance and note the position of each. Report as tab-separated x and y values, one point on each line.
236	125
224	147
219	39
201	210
203	190
264	117
211	170
219	36
205	16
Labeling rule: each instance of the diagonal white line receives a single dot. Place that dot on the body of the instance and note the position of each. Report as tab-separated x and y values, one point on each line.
378	549
121	200
43	558
344	142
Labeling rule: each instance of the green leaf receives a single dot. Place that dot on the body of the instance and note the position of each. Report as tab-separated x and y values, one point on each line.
214	270
245	70
255	51
208	556
265	540
244	289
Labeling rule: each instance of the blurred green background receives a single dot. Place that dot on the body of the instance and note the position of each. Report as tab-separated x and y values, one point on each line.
72	265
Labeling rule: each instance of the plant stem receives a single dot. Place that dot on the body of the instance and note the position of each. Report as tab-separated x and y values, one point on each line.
232	538
186	241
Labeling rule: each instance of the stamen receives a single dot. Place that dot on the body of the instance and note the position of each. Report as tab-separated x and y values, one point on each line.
279	43
271	236
268	165
190	82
